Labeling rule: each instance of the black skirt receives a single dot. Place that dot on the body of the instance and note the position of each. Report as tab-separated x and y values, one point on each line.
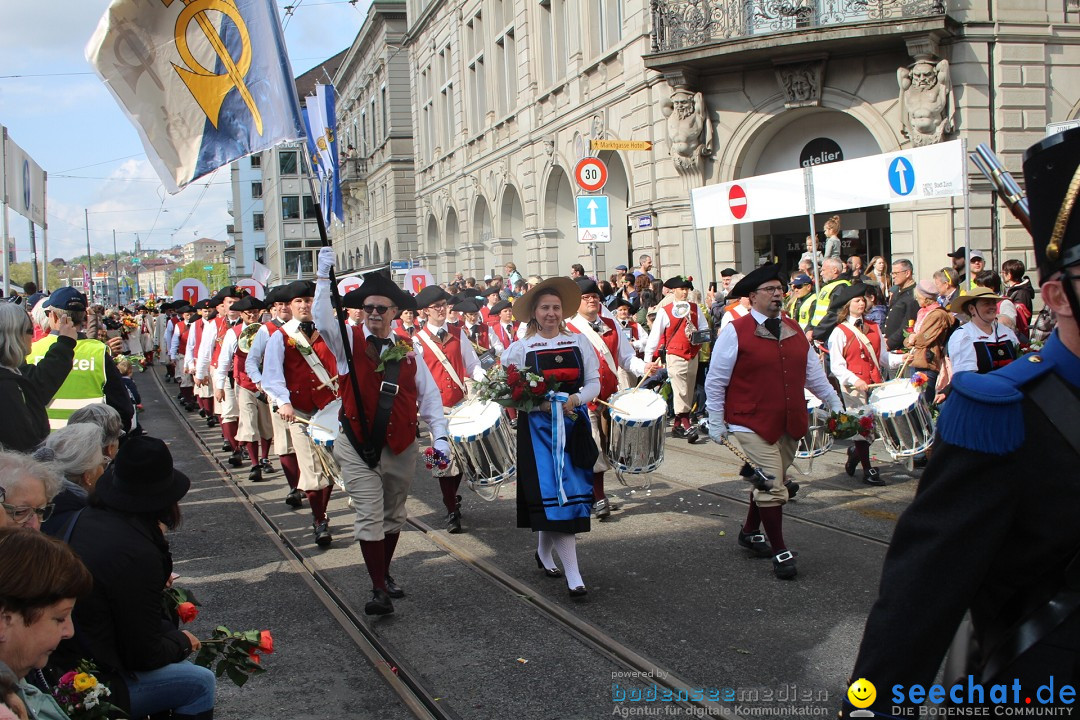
530	506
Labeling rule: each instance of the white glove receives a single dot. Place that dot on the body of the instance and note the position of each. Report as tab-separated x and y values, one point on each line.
718	429
326	261
442	445
835	405
820	415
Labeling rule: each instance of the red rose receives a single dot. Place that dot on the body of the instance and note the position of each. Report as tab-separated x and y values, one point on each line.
266	642
253	657
866	422
517	393
187	612
832	424
513	377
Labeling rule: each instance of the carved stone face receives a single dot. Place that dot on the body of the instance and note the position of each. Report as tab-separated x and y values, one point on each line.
800	86
923	76
684	106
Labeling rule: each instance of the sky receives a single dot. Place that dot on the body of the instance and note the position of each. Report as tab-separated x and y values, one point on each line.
58	111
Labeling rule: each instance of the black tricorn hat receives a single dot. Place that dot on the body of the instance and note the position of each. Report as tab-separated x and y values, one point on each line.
755	279
273	295
846	293
203	304
619	302
728	272
466	305
249	302
1049	169
431	295
296	289
588	286
491	289
142	479
499	307
375	283
677	282
184	308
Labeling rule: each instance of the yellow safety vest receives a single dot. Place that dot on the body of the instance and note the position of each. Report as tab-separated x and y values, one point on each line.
85	384
821	301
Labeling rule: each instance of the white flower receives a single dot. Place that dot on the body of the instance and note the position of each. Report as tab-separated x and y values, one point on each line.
532	383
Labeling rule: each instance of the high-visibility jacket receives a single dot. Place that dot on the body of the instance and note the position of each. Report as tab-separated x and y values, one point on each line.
822	300
85	385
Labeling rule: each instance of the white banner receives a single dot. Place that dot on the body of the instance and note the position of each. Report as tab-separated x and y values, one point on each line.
764	197
191	290
24	182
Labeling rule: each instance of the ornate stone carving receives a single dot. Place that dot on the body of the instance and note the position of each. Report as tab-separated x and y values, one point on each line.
926	101
801	83
689	128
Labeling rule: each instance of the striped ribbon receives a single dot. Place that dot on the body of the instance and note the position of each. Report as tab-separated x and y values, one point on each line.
558	440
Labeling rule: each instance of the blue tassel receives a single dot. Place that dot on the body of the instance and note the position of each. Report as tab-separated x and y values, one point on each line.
984	413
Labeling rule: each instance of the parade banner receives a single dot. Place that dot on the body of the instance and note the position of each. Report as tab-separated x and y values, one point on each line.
252	287
191	290
348	284
763	197
193	119
417	279
320	118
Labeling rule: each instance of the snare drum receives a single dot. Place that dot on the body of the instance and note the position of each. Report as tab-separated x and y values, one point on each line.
902	418
636	441
483	446
817	440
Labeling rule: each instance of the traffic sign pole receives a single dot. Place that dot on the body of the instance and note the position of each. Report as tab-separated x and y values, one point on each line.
808	178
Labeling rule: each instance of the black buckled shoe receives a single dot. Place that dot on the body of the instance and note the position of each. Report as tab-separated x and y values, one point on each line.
202	413
226	446
873	477
783	564
211	421
237	459
755	543
792	489
602	509
295	498
453	522
392	588
379	604
266	466
692	435
256	474
550	572
678	431
323	538
852	461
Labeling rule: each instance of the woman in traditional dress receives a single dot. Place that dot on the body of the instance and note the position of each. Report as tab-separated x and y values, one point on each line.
554	495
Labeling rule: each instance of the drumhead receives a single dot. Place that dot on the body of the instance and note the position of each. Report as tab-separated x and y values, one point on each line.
636	405
894	397
812	401
473	418
325	426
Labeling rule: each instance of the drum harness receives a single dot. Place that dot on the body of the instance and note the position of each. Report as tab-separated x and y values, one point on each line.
371	451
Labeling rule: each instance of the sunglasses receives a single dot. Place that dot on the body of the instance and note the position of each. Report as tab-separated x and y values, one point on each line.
380	309
21	514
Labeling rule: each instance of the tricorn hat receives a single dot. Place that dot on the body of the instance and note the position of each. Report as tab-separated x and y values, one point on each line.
1050	167
588	286
846	293
678	282
249	302
296	289
375	283
755	279
431	295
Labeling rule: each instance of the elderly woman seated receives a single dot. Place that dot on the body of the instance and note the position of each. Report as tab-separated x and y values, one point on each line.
40	579
29	488
75	452
105	417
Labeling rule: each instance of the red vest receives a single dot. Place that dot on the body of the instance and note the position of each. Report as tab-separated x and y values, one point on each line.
272	327
488	318
240	364
765	392
401	332
198	335
401	428
305	392
451	392
221	327
855	352
609	381
181	346
675	340
500	331
483	339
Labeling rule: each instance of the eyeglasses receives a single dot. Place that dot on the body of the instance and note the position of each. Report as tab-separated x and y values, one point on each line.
21	514
771	289
380	309
438	306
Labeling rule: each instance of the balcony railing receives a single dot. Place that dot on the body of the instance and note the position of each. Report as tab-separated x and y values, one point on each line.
353	170
681	24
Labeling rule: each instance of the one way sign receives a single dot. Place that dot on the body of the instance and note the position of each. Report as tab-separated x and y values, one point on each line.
593	221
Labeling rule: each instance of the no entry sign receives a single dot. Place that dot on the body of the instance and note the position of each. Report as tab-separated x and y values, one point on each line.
590	174
737	201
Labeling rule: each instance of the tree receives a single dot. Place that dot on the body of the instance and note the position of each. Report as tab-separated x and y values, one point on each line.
22	273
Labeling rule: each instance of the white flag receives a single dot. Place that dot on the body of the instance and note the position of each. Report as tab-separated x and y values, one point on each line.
260	272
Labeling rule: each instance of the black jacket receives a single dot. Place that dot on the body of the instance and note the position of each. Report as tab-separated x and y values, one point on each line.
903	308
24	397
1022	294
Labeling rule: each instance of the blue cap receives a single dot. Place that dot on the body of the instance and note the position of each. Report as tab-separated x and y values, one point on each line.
621	267
802	279
66	298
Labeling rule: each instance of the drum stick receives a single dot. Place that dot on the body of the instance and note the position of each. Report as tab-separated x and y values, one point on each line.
646	377
608	405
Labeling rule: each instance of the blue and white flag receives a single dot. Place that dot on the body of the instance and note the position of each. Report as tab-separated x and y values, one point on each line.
320	115
204	83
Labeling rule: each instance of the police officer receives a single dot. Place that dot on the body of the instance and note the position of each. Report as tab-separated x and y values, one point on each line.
992	529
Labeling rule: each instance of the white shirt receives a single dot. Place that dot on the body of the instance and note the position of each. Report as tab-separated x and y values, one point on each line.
726	352
496	342
253	365
660	325
190	350
429	400
468	355
225	358
626	357
590	388
838	340
962	344
206	348
638	340
734	314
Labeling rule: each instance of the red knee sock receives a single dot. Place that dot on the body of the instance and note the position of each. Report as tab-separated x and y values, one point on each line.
598	486
228	430
319	499
204	405
390	544
188	395
253	453
265	448
291	468
374	552
773	520
449	486
862	450
753	518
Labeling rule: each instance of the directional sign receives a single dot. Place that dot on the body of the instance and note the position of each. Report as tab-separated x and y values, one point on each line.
901	176
593	220
590	174
208	268
400	264
620	145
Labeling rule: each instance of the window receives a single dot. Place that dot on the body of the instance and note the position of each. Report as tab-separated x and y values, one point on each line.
374	126
256	189
363	133
427	117
309	207
553	28
257	221
287	162
260	255
303	257
290	207
446	99
256	161
477	77
606	28
506	64
385	112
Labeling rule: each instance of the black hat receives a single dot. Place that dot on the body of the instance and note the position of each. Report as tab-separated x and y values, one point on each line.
231	291
1049	167
273	295
142	479
619	302
296	289
499	307
491	289
846	293
728	272
249	302
960	252
467	305
185	308
755	279
203	304
588	286
678	282
375	283
66	298
431	295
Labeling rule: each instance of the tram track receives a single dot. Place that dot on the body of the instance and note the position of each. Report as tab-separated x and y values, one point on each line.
390	664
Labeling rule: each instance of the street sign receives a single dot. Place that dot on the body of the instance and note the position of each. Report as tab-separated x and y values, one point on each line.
620	145
901	176
737	201
400	264
348	284
590	174
593	219
191	290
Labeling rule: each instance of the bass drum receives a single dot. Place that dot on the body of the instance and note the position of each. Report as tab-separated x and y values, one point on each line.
483	446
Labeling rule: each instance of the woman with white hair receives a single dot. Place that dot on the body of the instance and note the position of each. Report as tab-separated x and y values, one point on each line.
25	390
105	417
75	452
28	487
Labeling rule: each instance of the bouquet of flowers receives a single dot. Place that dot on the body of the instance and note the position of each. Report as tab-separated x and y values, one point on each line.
918	380
129	325
82	696
513	388
235	654
436	461
842	425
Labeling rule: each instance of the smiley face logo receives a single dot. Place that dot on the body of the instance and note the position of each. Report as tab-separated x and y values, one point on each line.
862	693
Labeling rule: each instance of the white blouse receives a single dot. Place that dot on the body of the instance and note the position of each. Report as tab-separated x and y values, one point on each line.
590	386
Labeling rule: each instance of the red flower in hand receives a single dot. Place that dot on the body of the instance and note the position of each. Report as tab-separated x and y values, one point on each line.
832	424
540	389
266	642
513	377
187	612
866	422
518	392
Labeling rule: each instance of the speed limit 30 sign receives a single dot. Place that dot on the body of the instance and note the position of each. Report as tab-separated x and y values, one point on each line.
590	174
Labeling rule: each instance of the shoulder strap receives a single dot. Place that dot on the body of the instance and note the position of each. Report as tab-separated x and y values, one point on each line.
312	358
867	345
71	526
425	338
599	344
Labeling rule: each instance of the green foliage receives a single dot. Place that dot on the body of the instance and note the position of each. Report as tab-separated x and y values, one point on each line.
218	277
235	654
22	273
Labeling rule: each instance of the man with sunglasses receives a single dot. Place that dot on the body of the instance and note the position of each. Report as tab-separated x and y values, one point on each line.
761	363
992	529
451	360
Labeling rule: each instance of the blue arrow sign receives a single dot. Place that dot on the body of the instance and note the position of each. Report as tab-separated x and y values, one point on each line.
901	176
592	211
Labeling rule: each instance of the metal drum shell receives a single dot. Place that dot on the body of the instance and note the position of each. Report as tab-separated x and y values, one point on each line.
487	458
906	432
634	446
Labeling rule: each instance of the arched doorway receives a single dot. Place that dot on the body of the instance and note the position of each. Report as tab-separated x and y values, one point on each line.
482	234
617	189
451	243
562	249
386	250
511	227
375	253
431	245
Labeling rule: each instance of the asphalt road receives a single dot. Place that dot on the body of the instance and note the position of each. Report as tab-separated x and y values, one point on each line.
666	579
